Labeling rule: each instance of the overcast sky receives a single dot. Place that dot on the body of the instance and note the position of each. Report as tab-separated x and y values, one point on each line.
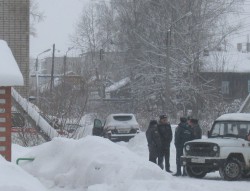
60	18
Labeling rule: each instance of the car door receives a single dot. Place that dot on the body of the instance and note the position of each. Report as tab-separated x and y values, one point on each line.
97	128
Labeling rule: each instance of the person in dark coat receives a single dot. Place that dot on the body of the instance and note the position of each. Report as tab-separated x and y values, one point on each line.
183	133
166	138
154	142
197	132
248	136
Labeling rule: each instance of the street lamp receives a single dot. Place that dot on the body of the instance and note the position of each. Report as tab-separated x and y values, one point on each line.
65	60
64	65
168	60
102	86
37	80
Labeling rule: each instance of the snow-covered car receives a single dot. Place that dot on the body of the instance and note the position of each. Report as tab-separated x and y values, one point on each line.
117	127
226	150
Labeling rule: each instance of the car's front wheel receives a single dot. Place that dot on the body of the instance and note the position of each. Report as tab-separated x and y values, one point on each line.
231	170
196	172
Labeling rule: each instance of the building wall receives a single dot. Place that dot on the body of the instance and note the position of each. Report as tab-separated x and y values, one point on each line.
14	29
238	83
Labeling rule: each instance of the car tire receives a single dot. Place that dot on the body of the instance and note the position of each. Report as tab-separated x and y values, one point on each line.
195	172
231	170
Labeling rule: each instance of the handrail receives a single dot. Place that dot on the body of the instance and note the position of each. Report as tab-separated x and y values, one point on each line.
29	159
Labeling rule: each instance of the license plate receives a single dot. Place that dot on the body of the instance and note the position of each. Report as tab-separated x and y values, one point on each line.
198	160
123	131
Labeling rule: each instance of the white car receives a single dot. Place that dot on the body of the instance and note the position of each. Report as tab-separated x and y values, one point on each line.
117	127
226	150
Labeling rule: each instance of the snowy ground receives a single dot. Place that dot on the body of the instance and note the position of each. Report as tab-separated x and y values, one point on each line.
97	164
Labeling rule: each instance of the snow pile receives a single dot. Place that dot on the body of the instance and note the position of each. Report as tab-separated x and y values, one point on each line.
13	178
90	162
97	164
10	74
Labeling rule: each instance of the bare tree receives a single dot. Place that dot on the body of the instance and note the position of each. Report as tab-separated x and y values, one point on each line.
164	47
36	16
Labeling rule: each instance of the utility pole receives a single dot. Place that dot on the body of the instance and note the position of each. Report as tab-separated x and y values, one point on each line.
52	69
168	65
168	61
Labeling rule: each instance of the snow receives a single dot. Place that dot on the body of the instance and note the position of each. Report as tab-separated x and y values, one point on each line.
14	178
112	122
230	61
118	85
97	164
10	74
33	112
235	117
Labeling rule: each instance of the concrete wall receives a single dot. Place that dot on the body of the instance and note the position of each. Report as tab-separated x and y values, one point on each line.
14	28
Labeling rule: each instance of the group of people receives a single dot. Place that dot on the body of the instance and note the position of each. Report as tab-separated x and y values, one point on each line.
159	136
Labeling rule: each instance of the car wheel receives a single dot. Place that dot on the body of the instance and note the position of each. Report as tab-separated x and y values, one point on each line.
231	170
194	171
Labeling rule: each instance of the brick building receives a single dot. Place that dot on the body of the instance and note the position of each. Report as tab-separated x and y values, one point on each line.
14	29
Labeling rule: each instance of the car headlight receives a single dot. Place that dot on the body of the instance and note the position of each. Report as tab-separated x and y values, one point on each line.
187	147
215	148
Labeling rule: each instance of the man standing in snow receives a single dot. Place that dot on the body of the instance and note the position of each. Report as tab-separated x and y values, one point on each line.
166	134
154	142
197	132
183	133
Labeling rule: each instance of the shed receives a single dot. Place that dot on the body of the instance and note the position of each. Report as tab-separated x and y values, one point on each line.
10	75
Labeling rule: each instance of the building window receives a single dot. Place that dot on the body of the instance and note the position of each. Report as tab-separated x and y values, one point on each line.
225	87
248	86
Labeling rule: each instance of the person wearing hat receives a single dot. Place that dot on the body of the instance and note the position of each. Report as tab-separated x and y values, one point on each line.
154	142
166	135
183	133
197	132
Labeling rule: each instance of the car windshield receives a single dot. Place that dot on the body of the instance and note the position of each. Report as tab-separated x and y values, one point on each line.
122	117
237	129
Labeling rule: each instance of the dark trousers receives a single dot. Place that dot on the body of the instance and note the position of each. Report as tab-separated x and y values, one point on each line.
153	156
165	155
179	153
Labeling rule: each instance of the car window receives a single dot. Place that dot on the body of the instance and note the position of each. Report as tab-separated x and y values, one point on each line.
122	118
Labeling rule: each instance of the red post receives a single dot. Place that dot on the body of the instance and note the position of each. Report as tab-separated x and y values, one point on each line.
5	122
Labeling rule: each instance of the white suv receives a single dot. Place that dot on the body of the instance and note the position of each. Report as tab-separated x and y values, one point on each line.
226	150
117	127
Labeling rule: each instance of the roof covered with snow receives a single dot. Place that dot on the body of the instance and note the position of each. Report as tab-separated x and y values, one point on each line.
227	61
118	85
10	74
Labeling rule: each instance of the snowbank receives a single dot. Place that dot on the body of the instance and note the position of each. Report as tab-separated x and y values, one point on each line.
97	164
89	161
13	178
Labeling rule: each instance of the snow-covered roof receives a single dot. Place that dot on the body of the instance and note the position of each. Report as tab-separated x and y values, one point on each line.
234	117
118	85
230	61
10	74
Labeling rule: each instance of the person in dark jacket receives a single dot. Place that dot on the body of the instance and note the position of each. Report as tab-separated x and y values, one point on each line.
154	142
248	136
166	138
197	132
183	133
